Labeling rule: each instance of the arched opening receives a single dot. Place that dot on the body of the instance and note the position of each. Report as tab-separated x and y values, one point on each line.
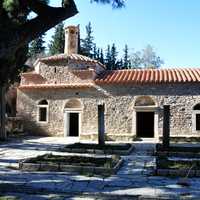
196	118
72	116
144	101
145	116
43	111
73	104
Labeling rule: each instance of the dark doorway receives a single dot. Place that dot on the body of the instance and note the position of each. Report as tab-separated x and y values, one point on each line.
74	124
145	124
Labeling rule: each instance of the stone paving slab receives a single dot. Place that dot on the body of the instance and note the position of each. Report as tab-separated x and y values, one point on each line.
134	179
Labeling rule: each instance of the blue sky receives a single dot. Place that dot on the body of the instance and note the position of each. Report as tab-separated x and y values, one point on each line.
172	27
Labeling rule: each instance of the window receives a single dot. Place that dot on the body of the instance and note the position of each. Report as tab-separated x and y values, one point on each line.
196	118
43	111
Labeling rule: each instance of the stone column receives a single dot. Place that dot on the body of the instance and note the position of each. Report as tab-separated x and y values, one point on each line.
166	126
101	125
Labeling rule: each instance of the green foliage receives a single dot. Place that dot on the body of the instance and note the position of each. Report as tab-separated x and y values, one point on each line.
87	44
57	44
10	5
108	58
37	47
115	3
126	61
113	57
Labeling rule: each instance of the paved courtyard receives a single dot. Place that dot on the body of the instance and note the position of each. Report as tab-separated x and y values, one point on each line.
133	181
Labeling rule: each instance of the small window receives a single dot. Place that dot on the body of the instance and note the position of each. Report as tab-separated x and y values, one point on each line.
43	111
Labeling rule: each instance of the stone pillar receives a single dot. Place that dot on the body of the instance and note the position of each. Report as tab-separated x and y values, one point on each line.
166	126
3	135
71	40
101	125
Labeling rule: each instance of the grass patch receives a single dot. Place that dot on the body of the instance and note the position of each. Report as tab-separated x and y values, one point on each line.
165	163
9	198
75	160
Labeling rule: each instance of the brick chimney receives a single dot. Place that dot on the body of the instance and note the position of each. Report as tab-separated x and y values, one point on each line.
71	40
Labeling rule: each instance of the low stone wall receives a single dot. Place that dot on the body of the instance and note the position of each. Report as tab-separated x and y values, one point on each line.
25	166
98	151
177	172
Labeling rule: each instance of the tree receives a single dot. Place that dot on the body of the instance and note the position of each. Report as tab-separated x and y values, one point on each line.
108	58
146	58
150	59
87	44
135	60
101	58
37	47
17	31
113	57
126	60
57	44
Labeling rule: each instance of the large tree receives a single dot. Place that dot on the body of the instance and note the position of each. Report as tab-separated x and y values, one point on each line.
17	31
57	44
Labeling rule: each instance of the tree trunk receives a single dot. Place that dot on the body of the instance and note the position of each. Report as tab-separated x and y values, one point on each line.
166	127
3	135
101	125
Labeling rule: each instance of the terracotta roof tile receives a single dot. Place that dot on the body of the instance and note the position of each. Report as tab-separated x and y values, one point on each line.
57	86
137	76
74	57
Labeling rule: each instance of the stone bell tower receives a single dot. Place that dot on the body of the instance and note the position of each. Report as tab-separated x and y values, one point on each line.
71	40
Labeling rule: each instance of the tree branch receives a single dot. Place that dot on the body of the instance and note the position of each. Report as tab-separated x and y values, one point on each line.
47	18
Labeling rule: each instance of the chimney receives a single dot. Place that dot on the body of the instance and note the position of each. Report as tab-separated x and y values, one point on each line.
71	40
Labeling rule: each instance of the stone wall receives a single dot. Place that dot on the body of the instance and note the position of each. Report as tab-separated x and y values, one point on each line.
119	109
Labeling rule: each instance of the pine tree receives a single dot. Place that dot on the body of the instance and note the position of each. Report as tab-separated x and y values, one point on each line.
37	47
108	58
126	58
98	54
57	44
113	57
101	59
95	56
119	64
87	44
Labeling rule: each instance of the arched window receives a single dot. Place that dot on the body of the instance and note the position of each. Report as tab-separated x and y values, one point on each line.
196	118
144	101
43	111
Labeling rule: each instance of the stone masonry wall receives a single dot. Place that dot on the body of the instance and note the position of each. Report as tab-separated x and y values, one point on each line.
119	109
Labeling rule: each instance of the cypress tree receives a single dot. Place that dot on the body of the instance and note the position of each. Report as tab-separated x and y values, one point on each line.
126	58
57	44
113	56
101	59
87	44
108	58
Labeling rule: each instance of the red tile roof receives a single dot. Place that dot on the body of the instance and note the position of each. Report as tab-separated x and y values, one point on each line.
74	57
57	86
142	76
